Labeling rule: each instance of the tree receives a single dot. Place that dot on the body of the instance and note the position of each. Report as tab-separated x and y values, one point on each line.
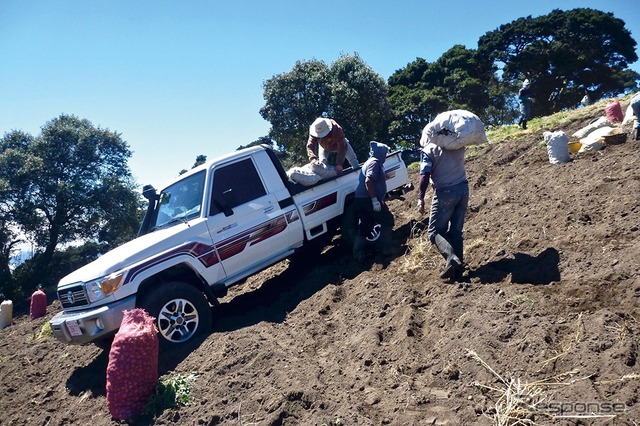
200	159
459	79
293	100
69	183
359	102
262	140
349	91
563	54
11	157
8	246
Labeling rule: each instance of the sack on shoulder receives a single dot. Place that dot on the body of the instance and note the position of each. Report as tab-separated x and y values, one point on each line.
454	130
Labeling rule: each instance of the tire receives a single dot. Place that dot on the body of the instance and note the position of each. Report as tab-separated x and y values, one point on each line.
181	312
349	225
104	343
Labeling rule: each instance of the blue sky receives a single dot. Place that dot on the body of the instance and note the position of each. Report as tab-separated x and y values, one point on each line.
182	78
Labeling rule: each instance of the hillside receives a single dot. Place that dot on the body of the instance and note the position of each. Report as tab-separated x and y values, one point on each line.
549	308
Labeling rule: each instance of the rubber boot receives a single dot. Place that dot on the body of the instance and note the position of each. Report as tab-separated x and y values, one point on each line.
524	124
358	248
637	134
386	245
454	265
458	250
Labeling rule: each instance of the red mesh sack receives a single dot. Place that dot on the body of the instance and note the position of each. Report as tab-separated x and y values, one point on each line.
38	306
613	111
132	372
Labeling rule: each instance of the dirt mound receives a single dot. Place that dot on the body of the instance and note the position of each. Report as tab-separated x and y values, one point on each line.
547	315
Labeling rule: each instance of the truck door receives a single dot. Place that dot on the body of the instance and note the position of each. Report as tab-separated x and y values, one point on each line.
246	223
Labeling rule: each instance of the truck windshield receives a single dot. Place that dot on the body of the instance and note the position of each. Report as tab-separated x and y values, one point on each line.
181	201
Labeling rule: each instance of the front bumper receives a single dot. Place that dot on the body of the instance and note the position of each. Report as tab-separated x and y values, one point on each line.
81	327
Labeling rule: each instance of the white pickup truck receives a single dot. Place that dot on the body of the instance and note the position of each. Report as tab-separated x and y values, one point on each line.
211	228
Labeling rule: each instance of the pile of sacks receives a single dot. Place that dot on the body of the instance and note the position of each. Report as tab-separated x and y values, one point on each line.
592	136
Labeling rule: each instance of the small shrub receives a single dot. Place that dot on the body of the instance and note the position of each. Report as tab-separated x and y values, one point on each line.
171	392
45	331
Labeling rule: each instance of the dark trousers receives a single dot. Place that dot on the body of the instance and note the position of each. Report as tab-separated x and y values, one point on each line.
368	218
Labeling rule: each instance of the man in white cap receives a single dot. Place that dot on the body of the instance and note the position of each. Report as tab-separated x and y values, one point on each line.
326	137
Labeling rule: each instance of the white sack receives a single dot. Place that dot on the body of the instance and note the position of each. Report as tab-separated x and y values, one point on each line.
454	130
628	115
557	147
595	124
6	313
323	170
311	173
595	141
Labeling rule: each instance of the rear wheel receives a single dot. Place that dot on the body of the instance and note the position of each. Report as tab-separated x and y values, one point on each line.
180	310
349	225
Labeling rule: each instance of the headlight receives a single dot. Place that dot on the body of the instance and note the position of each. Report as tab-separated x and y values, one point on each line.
102	287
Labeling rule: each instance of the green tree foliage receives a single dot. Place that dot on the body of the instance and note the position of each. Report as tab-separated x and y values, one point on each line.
349	91
563	53
262	140
11	147
8	247
200	159
69	183
359	102
459	79
292	101
63	263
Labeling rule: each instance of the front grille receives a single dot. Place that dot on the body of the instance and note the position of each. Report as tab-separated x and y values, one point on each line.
72	297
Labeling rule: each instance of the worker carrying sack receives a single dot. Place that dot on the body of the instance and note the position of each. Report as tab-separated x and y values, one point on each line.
454	130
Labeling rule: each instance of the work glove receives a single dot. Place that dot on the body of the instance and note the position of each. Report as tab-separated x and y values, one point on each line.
421	206
376	205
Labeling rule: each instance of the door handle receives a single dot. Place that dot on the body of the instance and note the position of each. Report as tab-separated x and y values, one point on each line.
267	209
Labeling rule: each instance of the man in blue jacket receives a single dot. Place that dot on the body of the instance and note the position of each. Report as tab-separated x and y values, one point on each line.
369	202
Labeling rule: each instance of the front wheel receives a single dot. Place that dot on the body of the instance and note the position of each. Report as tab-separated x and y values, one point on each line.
349	225
180	310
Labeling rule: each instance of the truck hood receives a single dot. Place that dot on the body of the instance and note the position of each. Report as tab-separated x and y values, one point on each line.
132	252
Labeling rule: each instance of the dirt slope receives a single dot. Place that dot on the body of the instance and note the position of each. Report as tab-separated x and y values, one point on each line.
550	304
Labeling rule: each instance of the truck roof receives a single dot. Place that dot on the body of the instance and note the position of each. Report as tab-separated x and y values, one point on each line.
218	159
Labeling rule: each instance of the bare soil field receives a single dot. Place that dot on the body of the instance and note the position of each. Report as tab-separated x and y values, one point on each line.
543	327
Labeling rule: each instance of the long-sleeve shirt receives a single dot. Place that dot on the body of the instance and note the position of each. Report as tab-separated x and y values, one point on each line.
446	167
333	142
